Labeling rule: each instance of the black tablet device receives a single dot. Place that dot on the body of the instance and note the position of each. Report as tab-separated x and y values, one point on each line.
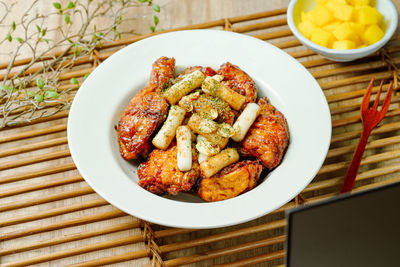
350	230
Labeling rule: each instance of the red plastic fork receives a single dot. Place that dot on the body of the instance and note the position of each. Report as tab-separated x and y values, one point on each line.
370	118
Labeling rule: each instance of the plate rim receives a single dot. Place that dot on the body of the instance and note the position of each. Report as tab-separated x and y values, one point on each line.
105	195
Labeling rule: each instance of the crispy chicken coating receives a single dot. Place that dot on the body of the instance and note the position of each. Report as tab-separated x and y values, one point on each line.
238	80
162	73
160	174
145	112
231	181
268	137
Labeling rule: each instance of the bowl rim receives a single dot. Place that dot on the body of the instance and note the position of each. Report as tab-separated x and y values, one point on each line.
324	50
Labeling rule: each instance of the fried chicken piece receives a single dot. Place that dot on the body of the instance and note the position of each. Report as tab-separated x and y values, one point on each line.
145	112
162	73
238	80
268	137
231	181
160	173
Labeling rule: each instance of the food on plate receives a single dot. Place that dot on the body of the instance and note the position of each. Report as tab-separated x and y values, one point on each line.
160	174
206	147
214	87
239	81
214	164
167	132
244	121
198	127
207	71
231	181
184	144
189	82
267	137
197	103
343	24
145	112
215	140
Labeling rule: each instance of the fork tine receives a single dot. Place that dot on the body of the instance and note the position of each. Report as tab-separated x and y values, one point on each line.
367	96
375	106
386	102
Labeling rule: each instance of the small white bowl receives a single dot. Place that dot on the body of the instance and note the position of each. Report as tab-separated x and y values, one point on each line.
385	7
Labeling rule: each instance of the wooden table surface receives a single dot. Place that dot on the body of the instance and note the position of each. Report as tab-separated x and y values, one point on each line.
174	13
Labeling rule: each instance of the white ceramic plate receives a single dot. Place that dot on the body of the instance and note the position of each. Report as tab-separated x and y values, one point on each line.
104	95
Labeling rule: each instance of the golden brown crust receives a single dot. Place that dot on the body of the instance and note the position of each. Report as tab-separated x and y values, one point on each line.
160	174
163	71
231	181
238	80
268	137
145	112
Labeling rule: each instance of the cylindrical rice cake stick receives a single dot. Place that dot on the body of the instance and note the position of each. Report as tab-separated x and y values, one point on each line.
213	87
167	132
190	82
244	121
184	148
214	164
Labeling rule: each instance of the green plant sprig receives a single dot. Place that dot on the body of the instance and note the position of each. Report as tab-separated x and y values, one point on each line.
35	90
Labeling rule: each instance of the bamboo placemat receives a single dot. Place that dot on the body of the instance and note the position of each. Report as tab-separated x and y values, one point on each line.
50	216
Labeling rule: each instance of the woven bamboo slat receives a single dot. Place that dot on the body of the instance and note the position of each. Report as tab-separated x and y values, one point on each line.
40	186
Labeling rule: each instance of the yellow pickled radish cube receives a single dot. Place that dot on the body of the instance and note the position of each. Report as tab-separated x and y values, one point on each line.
372	34
304	16
344	45
331	26
321	37
357	27
360	2
332	4
321	16
345	32
306	28
343	12
369	15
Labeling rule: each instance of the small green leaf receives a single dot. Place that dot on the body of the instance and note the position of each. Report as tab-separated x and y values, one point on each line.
57	5
156	8
70	4
38	28
13	26
20	40
86	75
67	19
38	98
44	31
51	94
156	20
74	81
40	83
142	1
152	28
6	88
9	37
30	93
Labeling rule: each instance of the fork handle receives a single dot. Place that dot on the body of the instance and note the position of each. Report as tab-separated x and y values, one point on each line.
355	163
